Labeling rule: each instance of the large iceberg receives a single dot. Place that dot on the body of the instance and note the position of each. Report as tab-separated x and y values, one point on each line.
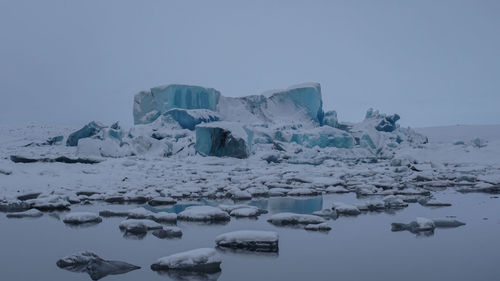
286	125
150	104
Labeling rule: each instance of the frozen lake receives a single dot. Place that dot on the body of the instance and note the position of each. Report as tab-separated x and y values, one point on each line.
357	248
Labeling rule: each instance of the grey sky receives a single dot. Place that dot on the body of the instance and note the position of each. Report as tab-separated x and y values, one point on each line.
69	62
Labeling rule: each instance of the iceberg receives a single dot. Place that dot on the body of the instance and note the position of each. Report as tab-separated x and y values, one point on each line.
150	104
222	139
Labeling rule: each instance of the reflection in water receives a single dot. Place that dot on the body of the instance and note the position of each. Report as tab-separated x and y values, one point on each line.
231	251
299	205
177	208
183	275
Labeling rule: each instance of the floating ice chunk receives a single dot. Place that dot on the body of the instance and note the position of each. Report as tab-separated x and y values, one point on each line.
50	203
31	213
433	203
253	240
318	227
292	218
447	222
394	202
241	195
142	213
246	212
150	104
95	266
326	213
345	209
201	260
419	225
188	119
372	205
112	213
89	130
222	139
168	232
139	226
322	137
77	260
203	213
82	217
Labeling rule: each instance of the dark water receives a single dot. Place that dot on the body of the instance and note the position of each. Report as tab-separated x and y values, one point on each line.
360	248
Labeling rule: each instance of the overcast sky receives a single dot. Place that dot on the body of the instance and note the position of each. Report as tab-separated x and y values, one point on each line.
434	62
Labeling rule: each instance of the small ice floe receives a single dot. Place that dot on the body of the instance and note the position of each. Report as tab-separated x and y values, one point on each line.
203	213
326	213
139	226
241	195
31	213
345	209
372	205
242	210
199	260
394	202
112	213
82	217
14	206
292	218
419	225
318	227
50	203
252	240
433	203
95	266
141	213
424	224
168	232
161	201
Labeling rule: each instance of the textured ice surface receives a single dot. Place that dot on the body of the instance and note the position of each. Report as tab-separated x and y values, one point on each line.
292	218
149	105
254	240
203	213
322	137
81	217
222	139
188	119
203	260
89	130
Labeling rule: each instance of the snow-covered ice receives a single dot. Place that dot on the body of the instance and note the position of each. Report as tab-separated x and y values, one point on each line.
292	218
203	213
202	260
81	217
253	240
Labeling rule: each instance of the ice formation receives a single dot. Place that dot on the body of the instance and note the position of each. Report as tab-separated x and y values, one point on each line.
253	240
201	260
287	125
150	104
